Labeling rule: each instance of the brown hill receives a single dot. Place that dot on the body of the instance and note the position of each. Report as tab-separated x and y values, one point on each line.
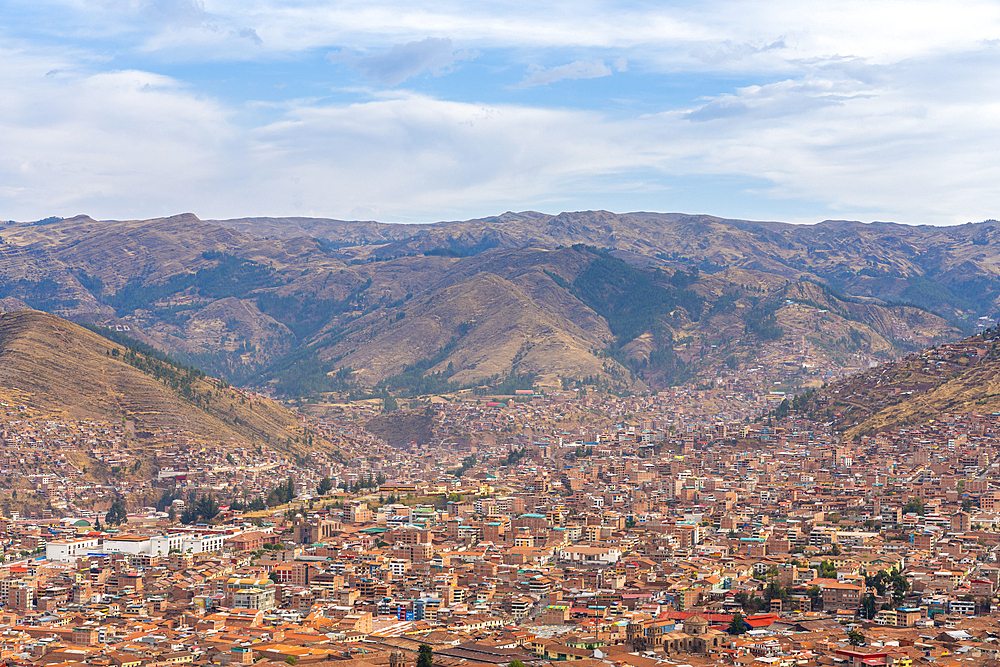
59	369
534	310
951	269
399	428
494	313
309	305
954	378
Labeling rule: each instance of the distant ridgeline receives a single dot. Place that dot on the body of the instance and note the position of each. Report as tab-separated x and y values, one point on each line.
617	302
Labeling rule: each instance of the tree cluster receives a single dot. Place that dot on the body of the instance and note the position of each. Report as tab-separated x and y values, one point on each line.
284	493
200	508
117	515
914	506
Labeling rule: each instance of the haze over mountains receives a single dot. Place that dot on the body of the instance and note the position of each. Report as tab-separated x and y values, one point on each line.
626	301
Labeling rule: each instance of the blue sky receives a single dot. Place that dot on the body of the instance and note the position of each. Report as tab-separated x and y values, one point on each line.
409	111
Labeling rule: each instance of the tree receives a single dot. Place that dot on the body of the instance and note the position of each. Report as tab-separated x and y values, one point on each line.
967	504
914	506
827	570
207	507
516	663
737	626
855	638
900	586
116	515
775	591
325	486
816	595
200	508
750	603
284	493
877	581
869	607
166	500
425	658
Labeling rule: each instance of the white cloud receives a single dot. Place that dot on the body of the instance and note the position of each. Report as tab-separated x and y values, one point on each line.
404	61
882	109
580	69
728	51
77	142
717	33
139	143
409	154
251	34
784	98
182	12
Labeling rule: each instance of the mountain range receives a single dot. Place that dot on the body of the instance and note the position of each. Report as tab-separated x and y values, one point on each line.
629	302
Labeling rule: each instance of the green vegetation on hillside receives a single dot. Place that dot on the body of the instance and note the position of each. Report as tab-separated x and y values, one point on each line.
178	378
763	323
338	327
151	361
40	295
414	379
232	276
509	384
306	314
302	372
634	302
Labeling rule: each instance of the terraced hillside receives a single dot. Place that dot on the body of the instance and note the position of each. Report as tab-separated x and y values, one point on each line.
954	378
56	368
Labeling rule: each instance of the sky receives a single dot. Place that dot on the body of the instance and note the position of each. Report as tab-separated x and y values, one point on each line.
424	111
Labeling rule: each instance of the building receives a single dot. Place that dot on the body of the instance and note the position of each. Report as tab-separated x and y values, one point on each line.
590	555
67	551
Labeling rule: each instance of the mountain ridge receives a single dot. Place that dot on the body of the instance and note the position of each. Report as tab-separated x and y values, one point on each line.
326	299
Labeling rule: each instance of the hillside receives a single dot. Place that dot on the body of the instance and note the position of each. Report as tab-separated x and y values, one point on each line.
60	370
960	378
951	269
628	302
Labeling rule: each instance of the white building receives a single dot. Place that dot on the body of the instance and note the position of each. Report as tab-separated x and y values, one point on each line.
963	607
163	545
197	544
590	555
127	544
67	551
